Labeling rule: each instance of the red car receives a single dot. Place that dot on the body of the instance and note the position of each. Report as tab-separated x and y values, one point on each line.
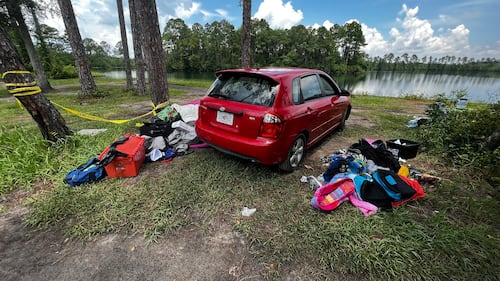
271	115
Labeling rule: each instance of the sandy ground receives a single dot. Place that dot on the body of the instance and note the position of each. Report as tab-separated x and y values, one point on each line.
222	254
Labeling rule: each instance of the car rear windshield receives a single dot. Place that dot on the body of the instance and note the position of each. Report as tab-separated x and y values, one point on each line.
241	87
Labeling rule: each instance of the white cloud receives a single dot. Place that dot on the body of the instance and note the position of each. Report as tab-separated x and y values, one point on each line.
222	13
327	24
90	20
182	12
278	14
416	36
374	39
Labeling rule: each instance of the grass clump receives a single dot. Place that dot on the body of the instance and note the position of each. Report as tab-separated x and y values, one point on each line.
25	159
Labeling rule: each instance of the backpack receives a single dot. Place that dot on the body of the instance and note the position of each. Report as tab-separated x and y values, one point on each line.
369	190
393	185
90	172
156	128
338	165
331	195
93	170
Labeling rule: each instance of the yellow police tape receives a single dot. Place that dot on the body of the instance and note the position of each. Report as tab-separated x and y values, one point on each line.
27	89
114	121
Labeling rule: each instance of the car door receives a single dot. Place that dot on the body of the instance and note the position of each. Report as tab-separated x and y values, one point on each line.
336	103
314	105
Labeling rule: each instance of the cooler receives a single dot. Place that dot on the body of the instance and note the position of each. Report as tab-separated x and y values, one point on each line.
128	166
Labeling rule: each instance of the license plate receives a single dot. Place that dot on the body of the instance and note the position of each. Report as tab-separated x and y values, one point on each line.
225	118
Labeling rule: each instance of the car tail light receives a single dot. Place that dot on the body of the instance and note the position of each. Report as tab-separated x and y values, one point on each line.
271	126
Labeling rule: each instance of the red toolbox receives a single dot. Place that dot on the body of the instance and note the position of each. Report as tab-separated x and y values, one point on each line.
126	166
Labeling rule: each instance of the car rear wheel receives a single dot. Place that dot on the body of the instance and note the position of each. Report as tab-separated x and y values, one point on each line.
295	155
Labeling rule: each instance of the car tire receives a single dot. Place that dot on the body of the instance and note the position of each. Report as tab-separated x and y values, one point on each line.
295	156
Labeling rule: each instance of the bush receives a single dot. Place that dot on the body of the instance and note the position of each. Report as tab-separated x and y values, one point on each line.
460	135
64	72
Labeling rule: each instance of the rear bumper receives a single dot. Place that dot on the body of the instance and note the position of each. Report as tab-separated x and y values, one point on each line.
259	150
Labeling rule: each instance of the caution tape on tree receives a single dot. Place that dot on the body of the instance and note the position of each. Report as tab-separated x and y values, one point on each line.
115	121
27	89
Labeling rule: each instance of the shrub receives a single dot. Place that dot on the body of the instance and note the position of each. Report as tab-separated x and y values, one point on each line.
461	135
63	72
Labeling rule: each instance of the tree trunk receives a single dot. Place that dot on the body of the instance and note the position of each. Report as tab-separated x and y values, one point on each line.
17	17
49	120
137	42
42	45
245	34
87	83
153	51
123	30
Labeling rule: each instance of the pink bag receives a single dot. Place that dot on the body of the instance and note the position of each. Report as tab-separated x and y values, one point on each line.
331	195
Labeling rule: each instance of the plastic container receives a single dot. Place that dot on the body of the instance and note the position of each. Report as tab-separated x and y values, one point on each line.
461	103
402	148
128	166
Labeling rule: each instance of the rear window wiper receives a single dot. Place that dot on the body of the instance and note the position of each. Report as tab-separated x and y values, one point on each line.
218	95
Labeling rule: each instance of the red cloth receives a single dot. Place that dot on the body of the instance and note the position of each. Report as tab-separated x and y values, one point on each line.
420	193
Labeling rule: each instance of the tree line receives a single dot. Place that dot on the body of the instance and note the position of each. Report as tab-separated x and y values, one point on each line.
214	46
217	45
436	65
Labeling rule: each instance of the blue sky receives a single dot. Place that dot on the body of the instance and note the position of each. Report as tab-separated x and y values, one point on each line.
422	27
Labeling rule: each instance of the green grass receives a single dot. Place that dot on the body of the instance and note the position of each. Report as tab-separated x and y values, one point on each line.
4	93
190	83
452	234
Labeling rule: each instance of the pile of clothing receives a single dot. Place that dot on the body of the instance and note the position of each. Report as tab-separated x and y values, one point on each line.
369	176
171	132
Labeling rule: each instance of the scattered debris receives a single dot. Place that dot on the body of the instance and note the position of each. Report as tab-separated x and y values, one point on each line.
248	211
91	132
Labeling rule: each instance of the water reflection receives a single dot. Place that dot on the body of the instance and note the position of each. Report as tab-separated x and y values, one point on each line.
479	89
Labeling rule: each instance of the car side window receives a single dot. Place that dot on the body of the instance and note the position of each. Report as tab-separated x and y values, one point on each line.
327	87
310	88
296	91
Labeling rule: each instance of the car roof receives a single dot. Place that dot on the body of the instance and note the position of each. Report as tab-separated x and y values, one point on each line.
272	72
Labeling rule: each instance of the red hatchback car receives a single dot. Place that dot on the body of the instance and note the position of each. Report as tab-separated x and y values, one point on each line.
271	115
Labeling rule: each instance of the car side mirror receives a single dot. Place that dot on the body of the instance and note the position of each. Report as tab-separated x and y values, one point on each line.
345	93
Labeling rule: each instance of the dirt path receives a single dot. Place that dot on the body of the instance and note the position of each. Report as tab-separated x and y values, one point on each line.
27	254
191	254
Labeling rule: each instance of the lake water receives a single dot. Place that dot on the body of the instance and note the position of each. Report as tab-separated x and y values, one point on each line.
393	84
478	89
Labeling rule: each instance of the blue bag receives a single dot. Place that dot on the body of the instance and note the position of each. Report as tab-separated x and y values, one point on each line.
393	185
93	170
90	172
